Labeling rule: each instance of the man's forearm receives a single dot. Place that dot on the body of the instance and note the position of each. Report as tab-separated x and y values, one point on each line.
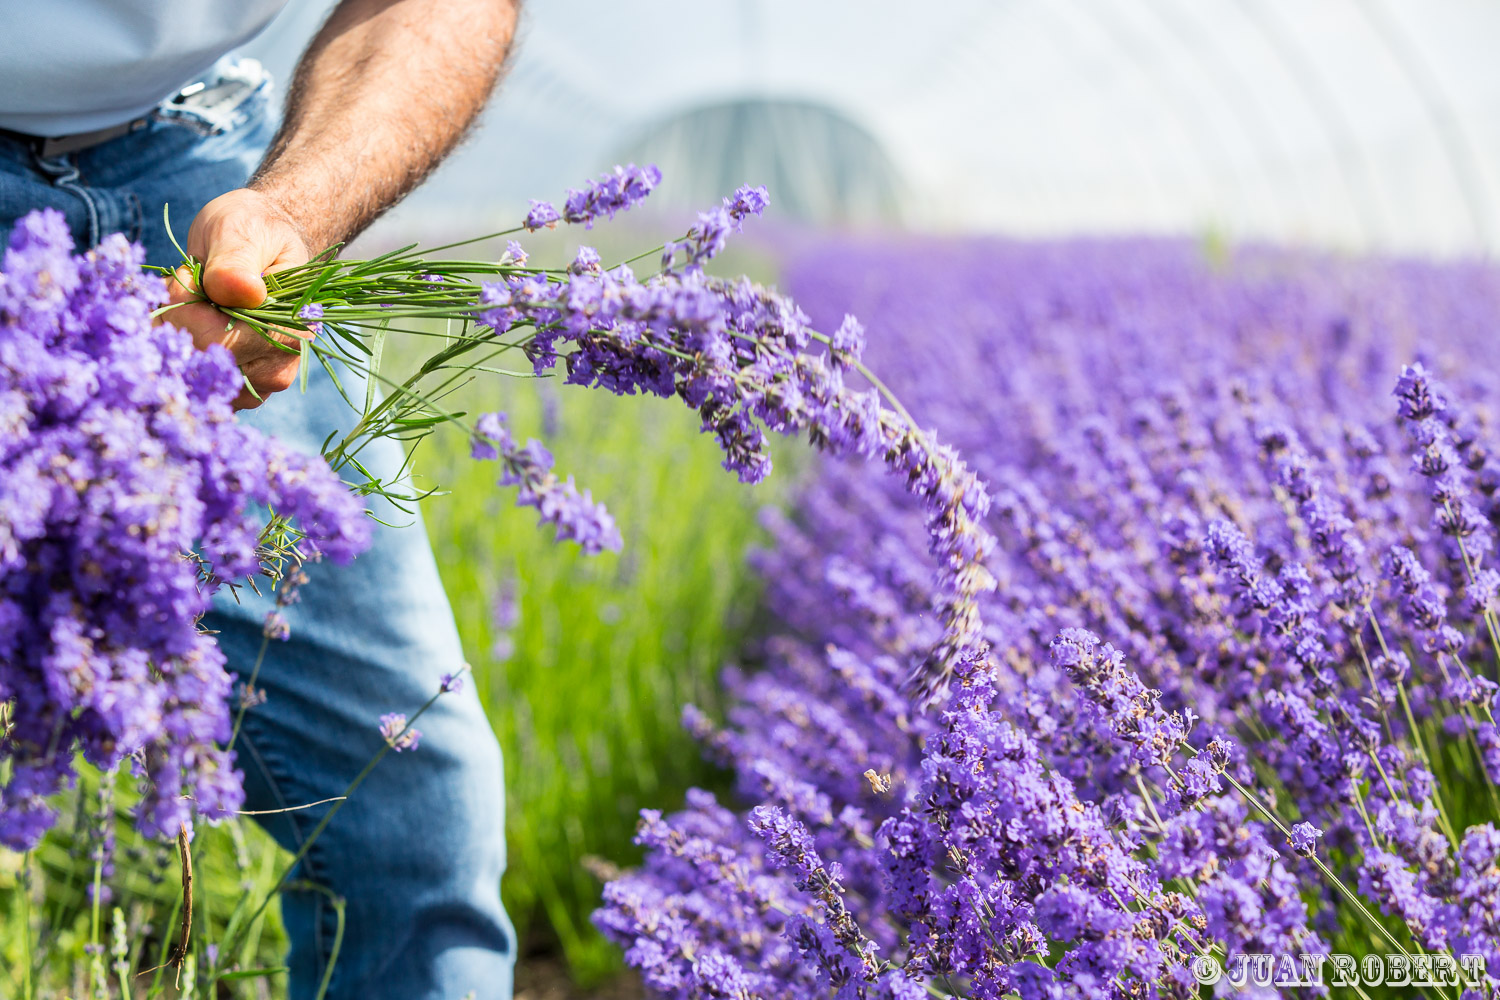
385	91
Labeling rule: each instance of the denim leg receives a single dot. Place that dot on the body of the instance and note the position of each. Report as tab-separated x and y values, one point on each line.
418	850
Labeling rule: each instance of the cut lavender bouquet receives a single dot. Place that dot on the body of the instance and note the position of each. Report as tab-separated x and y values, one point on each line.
742	356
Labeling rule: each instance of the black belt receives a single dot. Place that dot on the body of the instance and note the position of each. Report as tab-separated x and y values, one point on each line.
59	145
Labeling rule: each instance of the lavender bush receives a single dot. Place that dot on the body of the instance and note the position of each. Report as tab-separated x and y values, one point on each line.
1235	688
119	455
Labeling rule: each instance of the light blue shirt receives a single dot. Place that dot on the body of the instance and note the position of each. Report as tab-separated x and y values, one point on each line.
71	66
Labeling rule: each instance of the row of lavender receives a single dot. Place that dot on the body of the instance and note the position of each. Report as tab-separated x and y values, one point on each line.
1239	686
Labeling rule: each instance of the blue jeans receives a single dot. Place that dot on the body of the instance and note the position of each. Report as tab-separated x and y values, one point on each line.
418	850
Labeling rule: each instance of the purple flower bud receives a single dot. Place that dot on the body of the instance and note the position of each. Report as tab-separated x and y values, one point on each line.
396	733
1304	838
848	341
542	215
747	201
276	626
617	191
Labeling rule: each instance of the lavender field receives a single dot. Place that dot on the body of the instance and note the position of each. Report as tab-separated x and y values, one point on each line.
767	500
1241	645
1128	630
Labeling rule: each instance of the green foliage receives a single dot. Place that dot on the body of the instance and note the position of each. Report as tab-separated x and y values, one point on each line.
608	648
48	920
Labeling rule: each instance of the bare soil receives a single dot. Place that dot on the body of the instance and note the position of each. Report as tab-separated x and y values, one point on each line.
544	977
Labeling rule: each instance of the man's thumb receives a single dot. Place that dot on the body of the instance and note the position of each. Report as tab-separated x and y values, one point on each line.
231	276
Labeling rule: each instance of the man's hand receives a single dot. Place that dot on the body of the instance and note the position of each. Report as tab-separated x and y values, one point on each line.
384	92
239	236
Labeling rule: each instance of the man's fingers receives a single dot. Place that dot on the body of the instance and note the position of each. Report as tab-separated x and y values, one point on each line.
232	275
181	287
239	236
269	368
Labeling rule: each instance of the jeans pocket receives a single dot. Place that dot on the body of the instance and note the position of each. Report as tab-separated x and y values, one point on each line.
231	95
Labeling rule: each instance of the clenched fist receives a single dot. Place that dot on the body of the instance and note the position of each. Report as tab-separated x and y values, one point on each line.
239	237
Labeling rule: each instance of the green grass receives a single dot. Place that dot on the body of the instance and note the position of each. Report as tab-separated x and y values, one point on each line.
47	919
608	648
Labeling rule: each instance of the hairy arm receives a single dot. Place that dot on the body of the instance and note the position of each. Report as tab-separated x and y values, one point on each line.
384	92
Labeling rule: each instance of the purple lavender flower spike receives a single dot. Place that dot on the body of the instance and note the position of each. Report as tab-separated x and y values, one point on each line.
491	437
574	514
747	201
587	262
1304	838
397	734
848	341
617	191
276	626
541	216
1414	390
710	235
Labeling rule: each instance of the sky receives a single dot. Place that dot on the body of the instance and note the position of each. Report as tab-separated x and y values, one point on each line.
1354	124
